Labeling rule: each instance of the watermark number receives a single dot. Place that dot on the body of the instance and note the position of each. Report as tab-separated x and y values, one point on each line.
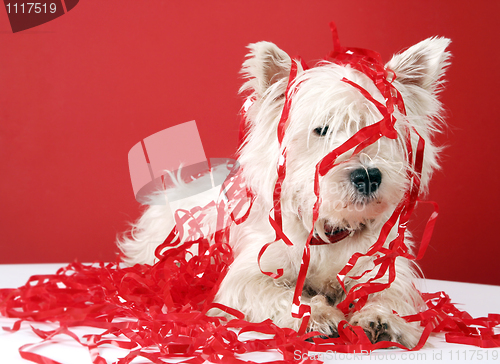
27	8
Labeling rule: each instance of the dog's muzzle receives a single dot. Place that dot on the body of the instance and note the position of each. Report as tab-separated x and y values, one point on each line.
366	180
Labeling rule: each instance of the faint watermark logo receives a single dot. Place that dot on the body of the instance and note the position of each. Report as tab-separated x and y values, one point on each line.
173	160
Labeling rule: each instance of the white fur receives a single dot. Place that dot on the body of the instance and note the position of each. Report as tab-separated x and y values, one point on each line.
322	99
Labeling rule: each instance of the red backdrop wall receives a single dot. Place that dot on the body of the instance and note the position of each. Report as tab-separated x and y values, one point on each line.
78	92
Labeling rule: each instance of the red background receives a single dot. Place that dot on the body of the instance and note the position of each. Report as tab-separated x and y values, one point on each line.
78	92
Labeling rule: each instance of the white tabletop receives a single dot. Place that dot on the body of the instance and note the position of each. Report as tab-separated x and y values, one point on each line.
477	299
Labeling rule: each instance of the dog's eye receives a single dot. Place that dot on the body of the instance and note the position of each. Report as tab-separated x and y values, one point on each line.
321	131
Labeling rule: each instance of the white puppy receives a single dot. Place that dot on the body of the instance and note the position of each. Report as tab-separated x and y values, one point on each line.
357	196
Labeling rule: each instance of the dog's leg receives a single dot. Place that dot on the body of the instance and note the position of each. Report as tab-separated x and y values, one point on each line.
381	324
260	297
324	317
378	317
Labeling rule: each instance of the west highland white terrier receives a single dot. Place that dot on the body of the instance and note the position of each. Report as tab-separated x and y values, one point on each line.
349	203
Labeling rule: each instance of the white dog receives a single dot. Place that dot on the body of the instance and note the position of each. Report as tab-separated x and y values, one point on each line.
357	196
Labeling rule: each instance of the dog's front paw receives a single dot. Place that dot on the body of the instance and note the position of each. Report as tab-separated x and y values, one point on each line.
324	317
380	324
377	331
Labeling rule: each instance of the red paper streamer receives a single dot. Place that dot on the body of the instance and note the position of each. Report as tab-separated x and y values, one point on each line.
159	312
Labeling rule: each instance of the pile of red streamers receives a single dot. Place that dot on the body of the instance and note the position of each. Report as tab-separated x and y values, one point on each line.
159	312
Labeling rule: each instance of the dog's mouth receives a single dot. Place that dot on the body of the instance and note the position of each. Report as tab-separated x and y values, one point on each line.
337	234
334	234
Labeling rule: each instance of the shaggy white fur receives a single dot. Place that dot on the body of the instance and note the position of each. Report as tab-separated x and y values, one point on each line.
325	112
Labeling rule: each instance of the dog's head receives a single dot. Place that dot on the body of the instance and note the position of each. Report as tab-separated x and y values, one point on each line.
325	111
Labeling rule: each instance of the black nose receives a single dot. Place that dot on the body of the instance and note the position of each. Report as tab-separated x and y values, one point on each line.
366	181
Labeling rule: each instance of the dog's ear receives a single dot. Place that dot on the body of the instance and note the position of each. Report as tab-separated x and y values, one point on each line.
265	65
420	70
